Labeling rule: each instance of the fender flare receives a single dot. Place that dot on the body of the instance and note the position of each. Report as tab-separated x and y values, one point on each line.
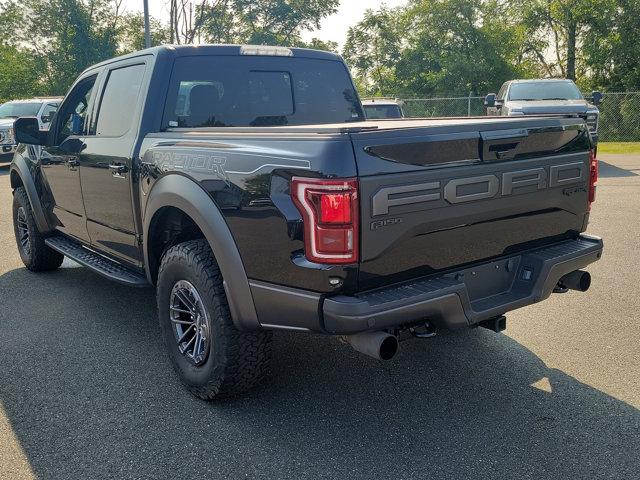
181	192
20	167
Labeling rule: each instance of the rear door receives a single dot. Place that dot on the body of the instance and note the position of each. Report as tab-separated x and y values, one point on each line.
441	197
106	162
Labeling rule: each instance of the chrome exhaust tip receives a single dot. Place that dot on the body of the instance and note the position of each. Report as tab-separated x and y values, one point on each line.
578	280
378	345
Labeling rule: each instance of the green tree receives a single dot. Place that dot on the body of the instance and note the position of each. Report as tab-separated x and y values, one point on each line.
131	33
436	47
372	50
19	77
559	30
280	21
456	46
611	49
49	42
67	36
267	22
319	44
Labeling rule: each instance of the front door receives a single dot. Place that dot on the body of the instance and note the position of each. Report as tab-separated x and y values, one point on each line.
106	163
60	162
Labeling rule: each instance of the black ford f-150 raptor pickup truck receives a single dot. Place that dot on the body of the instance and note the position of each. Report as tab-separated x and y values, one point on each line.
245	184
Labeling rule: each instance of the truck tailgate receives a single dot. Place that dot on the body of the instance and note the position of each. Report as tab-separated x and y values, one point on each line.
438	197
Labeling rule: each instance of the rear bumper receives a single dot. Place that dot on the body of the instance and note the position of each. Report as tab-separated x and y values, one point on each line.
465	297
454	300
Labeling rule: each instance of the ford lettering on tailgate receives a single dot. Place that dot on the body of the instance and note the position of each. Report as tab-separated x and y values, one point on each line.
470	189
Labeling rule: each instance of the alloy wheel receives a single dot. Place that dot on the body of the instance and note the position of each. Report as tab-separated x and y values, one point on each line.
190	322
23	231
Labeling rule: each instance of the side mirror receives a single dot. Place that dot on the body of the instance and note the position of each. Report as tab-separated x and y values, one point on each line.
596	98
490	100
27	130
46	118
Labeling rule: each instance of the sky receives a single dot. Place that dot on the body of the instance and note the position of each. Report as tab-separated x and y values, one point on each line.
332	28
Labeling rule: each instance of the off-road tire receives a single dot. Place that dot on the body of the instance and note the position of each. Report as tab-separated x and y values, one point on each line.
38	257
236	360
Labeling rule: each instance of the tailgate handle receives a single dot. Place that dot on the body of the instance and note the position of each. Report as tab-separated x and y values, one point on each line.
501	144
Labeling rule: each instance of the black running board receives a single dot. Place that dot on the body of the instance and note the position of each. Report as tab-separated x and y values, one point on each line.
98	263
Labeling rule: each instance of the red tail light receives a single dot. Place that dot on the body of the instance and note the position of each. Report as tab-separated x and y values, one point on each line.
593	177
329	211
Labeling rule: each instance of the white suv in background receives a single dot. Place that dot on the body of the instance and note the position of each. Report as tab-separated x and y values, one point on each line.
550	96
42	108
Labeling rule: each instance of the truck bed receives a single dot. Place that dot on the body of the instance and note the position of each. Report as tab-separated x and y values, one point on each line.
411	226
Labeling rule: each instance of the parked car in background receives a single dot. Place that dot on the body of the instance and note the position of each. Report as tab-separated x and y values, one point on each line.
41	108
379	108
544	97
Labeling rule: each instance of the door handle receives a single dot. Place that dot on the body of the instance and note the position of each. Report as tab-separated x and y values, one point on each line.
118	170
73	162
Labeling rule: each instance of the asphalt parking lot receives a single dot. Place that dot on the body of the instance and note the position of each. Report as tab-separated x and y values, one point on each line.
86	390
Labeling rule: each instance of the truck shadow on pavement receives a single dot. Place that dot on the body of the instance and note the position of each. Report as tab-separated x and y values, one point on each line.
606	170
89	393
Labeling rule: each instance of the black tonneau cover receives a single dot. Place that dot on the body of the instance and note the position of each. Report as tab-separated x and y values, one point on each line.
452	123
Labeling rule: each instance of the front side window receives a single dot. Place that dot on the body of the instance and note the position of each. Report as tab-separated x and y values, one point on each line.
252	91
532	91
74	110
119	100
19	109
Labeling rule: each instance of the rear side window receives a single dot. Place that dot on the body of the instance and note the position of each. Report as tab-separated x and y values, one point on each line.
230	91
119	100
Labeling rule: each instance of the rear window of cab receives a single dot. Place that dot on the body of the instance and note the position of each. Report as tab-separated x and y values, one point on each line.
258	91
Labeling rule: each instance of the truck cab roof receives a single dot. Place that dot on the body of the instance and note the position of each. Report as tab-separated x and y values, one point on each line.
220	49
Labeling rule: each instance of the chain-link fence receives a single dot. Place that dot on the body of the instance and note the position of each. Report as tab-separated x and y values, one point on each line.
619	112
620	117
444	107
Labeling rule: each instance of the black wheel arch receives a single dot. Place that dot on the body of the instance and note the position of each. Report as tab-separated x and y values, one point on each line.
21	175
180	192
